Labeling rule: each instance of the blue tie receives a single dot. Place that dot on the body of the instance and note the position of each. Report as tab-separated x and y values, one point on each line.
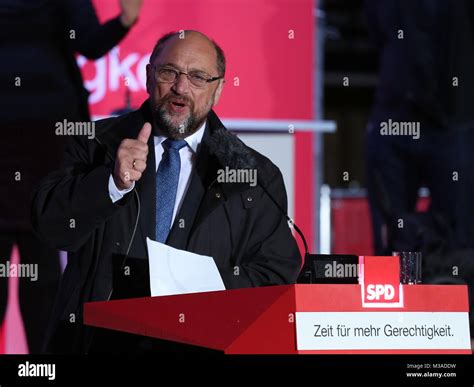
167	178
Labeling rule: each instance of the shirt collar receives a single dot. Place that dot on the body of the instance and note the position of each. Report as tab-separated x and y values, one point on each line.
193	140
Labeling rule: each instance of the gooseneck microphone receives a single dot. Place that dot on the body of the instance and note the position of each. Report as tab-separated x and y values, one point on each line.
232	152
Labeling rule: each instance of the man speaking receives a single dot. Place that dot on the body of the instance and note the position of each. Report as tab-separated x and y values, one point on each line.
153	173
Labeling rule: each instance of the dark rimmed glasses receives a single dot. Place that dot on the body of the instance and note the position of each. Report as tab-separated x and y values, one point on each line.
169	74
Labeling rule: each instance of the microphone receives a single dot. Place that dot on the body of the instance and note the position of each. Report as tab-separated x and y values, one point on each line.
232	152
289	220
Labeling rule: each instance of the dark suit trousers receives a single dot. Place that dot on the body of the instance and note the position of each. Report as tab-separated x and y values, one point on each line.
36	297
440	160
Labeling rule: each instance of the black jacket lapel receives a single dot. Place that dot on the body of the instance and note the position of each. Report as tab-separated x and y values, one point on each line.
205	193
201	177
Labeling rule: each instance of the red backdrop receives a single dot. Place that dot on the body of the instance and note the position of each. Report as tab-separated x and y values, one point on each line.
268	45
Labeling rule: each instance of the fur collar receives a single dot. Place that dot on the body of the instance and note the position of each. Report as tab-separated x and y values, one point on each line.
227	147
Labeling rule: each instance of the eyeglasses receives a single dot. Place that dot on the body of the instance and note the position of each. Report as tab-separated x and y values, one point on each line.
197	78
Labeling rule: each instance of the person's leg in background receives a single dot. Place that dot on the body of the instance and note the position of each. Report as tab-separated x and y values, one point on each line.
392	182
6	244
450	176
37	297
464	189
440	166
448	170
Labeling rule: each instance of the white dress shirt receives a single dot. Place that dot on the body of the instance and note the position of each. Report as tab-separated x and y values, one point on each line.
187	155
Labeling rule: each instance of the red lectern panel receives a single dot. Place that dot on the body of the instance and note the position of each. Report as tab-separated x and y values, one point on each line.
265	320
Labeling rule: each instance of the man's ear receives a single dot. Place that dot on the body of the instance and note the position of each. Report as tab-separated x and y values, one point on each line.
218	92
149	78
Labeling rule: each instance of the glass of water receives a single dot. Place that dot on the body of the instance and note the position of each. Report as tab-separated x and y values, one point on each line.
410	267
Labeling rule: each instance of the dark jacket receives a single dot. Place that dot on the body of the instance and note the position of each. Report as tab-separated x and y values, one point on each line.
40	85
422	45
38	43
238	225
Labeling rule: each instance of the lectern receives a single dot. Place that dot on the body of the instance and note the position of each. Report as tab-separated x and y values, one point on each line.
297	319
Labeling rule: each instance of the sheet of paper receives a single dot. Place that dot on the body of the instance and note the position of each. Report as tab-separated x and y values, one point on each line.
174	271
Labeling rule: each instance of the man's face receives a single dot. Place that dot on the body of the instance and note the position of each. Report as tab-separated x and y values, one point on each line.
180	108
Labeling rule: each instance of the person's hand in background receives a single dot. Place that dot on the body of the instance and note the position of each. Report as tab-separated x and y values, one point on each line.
130	9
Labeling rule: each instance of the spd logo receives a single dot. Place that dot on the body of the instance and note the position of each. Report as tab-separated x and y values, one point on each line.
380	292
380	282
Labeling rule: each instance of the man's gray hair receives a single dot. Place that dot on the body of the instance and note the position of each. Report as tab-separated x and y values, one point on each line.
165	38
